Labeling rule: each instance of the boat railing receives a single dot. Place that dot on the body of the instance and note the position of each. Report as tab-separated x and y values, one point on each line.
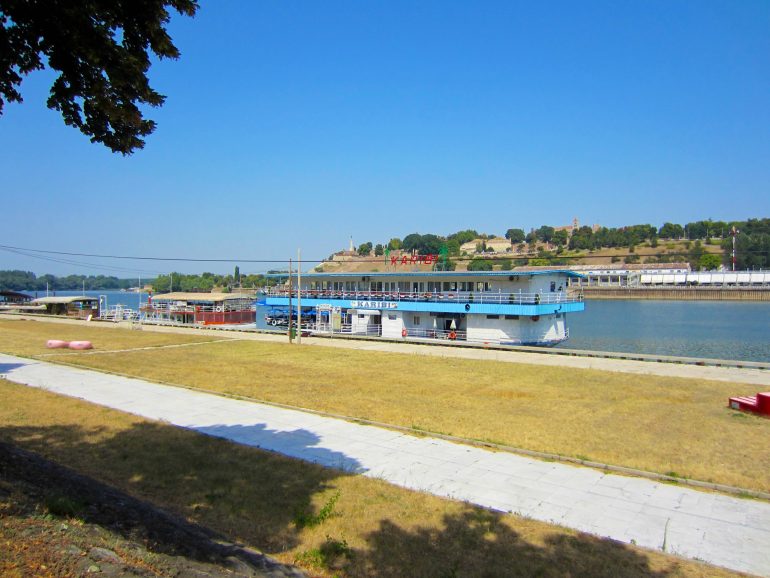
487	297
165	308
443	334
447	335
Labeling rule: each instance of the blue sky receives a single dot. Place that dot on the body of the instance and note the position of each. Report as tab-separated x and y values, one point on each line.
300	124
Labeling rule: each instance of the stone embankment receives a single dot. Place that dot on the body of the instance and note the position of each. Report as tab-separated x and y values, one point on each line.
680	293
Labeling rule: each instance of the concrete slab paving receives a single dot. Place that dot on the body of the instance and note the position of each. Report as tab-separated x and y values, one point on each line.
718	529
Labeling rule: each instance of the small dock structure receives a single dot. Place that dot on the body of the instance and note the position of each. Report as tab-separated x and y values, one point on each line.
15	301
80	306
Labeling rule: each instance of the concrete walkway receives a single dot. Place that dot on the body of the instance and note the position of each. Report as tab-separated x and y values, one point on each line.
718	529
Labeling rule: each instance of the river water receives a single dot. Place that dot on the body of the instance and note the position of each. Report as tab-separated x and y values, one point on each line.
712	329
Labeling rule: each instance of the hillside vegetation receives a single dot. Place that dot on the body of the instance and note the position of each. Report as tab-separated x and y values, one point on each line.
704	245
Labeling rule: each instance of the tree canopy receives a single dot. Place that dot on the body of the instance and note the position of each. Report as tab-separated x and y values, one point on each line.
101	51
515	235
424	244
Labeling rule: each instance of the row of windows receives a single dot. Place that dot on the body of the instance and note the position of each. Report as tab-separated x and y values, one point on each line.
401	286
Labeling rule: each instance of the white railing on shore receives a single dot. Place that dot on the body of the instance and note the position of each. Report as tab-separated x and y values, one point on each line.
486	297
119	313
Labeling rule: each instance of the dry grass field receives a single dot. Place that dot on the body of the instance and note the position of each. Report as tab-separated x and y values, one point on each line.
330	523
28	338
665	425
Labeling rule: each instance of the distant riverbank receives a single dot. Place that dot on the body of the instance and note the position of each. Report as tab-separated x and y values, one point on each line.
679	293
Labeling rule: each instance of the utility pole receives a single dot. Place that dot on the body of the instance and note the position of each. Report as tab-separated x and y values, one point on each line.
289	300
733	233
299	296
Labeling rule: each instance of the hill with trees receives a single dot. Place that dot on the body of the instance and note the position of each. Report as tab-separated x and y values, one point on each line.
704	245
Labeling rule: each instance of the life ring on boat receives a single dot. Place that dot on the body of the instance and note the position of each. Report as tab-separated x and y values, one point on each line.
404	332
80	345
536	318
56	344
452	335
219	309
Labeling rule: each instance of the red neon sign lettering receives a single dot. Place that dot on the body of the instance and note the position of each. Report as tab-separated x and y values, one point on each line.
415	260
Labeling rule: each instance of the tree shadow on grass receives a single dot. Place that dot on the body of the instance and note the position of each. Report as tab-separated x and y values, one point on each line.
237	490
478	542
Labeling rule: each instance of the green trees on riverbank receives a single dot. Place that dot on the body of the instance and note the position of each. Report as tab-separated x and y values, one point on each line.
206	282
27	281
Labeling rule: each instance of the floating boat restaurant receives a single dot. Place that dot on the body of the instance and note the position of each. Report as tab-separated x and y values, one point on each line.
200	308
527	307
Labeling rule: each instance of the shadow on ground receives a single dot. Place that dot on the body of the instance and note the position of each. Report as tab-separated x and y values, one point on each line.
240	490
9	367
300	443
477	542
205	482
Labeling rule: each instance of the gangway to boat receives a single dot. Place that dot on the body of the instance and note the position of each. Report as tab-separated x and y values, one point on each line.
118	313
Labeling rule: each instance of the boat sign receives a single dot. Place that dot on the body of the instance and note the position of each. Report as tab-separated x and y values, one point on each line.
374	304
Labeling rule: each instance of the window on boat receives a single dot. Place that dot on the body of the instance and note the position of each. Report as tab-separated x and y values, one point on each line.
511	316
553	286
416	320
493	317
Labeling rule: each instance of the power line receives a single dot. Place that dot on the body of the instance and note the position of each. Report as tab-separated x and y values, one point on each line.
458	258
137	258
112	268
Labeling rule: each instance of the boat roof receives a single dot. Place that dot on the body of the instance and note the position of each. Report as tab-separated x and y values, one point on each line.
64	299
15	295
201	297
432	274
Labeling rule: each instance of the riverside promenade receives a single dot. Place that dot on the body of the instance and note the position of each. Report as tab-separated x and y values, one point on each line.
718	529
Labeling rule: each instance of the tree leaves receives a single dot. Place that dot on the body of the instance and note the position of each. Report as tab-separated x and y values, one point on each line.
101	50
